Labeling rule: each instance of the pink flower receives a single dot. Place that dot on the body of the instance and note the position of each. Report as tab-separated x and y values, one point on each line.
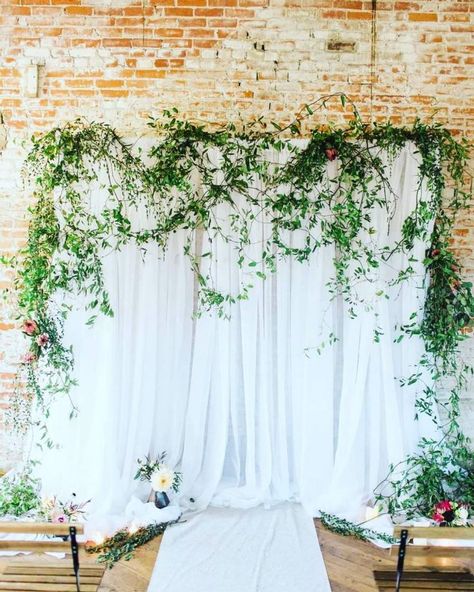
438	517
30	327
444	506
60	518
29	358
42	339
444	511
331	153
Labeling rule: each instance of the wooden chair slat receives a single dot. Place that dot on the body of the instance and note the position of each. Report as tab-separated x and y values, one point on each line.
39	528
426	586
46	576
47	568
436	532
50	578
35	587
36	546
442	580
461	574
435	551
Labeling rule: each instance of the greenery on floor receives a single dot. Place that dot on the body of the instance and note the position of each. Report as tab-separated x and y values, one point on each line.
123	543
347	528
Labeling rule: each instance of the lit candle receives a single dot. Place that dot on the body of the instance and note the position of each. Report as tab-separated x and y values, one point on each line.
98	538
132	529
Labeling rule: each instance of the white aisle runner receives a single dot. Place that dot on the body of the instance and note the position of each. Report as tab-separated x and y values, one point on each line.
232	550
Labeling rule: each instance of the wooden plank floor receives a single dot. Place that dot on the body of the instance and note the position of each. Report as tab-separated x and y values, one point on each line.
349	563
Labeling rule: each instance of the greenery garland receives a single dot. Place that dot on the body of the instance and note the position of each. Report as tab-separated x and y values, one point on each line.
67	238
347	528
124	543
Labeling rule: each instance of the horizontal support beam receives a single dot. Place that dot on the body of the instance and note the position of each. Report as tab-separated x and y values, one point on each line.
431	551
44	546
436	532
39	528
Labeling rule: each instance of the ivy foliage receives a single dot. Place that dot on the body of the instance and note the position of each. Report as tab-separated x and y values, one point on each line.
19	494
297	195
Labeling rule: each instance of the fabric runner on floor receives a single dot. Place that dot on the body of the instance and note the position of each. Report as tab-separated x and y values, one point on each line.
233	550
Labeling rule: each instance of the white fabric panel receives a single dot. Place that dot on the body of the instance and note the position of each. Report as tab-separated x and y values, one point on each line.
245	406
255	550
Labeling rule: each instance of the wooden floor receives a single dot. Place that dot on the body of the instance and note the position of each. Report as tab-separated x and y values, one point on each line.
349	563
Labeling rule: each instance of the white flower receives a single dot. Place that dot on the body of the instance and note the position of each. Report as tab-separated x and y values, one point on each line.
462	514
162	479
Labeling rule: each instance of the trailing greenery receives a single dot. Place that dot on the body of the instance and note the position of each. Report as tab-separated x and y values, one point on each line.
347	528
439	471
19	494
304	204
123	543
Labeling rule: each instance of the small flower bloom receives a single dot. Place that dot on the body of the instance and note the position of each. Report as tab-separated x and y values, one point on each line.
461	516
444	506
437	517
42	339
30	327
29	358
59	519
331	153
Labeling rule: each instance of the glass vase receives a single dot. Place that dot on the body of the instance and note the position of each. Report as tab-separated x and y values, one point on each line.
161	499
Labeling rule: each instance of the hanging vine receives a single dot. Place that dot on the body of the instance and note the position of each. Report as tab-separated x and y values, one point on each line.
69	234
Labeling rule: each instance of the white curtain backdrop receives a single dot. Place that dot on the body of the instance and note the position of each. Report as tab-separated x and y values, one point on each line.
245	407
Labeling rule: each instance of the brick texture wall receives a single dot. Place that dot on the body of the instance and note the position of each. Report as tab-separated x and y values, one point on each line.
120	61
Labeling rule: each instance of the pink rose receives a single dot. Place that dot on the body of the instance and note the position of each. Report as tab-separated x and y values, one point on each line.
331	153
438	517
29	358
30	327
42	339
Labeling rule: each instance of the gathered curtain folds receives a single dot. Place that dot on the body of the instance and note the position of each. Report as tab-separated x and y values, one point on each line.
250	408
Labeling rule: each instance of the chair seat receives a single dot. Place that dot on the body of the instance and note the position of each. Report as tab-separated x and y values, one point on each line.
49	577
425	580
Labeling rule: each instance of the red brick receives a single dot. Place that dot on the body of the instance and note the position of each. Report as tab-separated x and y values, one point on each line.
423	16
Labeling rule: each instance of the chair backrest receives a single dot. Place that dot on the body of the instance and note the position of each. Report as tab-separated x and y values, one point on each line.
64	531
407	534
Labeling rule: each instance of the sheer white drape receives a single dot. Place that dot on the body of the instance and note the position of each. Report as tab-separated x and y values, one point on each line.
245	407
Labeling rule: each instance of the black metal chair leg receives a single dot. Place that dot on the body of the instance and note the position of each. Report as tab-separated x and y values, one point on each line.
75	556
401	558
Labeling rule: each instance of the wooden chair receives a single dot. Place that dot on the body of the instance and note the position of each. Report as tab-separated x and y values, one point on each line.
434	578
47	576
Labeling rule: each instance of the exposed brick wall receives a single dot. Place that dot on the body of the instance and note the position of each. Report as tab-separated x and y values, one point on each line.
120	61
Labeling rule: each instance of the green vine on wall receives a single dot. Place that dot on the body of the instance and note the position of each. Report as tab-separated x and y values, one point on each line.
68	234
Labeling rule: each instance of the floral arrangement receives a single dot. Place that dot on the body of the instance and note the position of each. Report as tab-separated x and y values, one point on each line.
39	341
54	510
449	513
160	476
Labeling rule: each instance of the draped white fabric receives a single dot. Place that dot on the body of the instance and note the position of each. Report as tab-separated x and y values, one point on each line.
246	407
